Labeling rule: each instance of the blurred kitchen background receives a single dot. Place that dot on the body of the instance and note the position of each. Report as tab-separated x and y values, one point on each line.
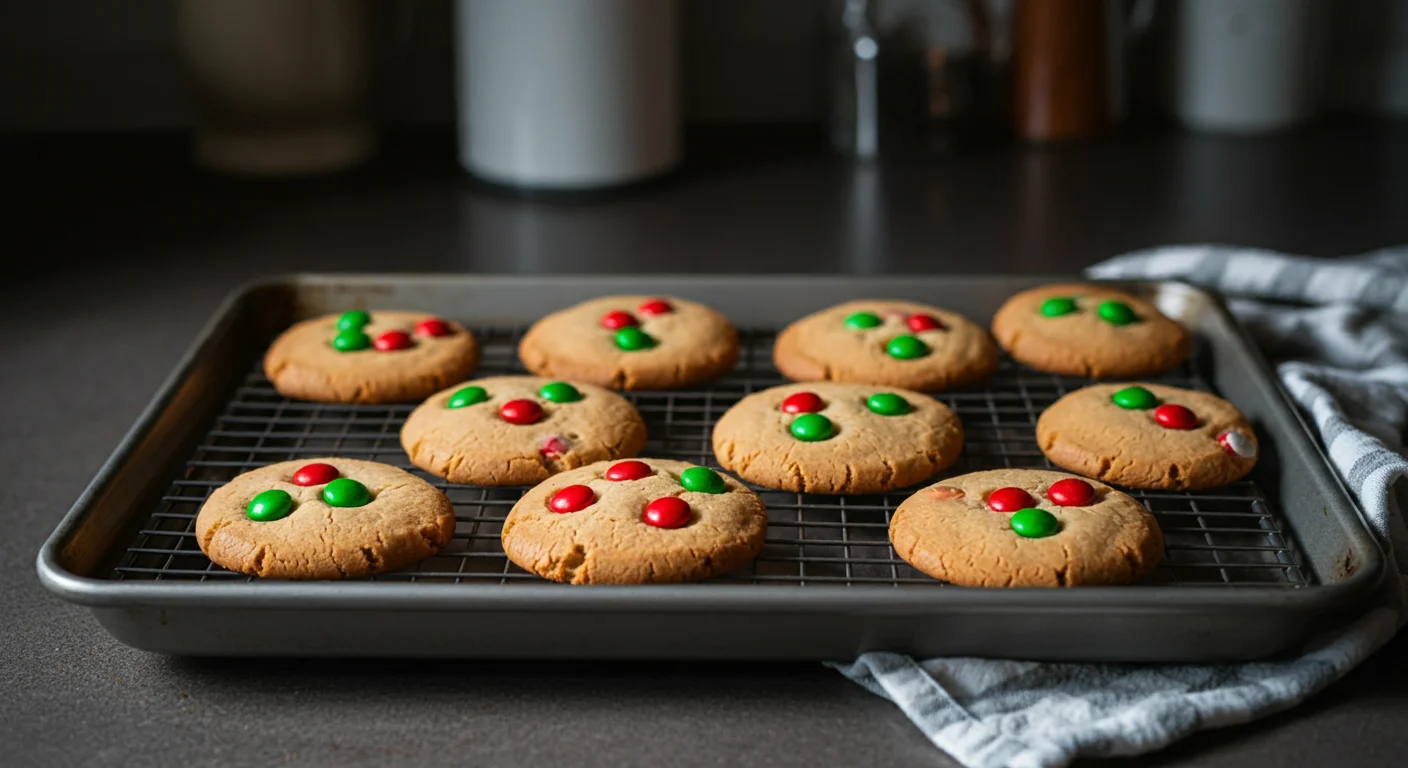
845	135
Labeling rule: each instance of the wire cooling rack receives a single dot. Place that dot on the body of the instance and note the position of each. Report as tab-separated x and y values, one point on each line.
1229	536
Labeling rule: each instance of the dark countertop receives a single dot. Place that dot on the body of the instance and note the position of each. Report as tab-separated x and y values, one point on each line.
125	251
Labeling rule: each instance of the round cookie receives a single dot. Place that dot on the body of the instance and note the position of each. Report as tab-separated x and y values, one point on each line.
326	518
1026	528
886	342
632	342
1089	330
1148	436
638	521
370	357
519	430
837	438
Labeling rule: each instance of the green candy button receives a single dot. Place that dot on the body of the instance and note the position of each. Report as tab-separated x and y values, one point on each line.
269	506
1116	313
1055	307
354	320
1135	399
811	427
467	396
888	404
702	480
1033	523
351	341
346	492
559	392
633	339
862	320
906	348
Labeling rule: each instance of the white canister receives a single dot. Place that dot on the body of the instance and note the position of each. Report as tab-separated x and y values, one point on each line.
567	94
1247	66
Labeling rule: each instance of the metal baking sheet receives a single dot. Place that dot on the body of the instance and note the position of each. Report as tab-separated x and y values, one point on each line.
1249	569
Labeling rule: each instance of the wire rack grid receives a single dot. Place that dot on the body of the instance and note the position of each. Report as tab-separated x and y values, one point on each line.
1230	536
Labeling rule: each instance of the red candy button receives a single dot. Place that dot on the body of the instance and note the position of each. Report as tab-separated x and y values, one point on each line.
802	402
573	498
433	327
392	341
924	323
667	512
1071	493
654	307
627	470
554	447
521	412
615	321
1010	500
1173	416
1237	444
315	474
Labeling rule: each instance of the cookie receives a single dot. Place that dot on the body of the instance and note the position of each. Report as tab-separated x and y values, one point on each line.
837	438
638	521
632	342
1148	436
1026	528
376	357
519	430
323	519
1091	331
887	343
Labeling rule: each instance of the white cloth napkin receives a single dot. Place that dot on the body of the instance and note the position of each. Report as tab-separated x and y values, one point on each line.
1342	352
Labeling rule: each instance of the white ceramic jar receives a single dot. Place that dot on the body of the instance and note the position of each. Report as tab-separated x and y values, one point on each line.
1247	66
567	94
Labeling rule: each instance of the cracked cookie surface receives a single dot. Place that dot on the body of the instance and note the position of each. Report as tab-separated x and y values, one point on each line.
851	342
1076	339
866	451
406	520
303	363
1086	431
474	444
950	532
632	342
609	541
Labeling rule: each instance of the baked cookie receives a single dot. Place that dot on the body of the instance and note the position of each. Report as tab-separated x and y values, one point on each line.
1089	330
837	438
1026	528
632	342
887	343
323	519
370	357
638	521
1148	436
519	430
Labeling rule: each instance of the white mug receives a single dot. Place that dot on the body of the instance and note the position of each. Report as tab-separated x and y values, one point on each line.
1246	65
567	94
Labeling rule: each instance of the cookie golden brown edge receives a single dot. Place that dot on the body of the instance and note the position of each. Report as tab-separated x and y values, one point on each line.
1090	331
1026	528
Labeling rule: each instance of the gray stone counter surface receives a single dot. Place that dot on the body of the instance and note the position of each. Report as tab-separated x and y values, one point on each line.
124	251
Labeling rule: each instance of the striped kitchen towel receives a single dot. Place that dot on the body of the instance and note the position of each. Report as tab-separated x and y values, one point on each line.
1339	333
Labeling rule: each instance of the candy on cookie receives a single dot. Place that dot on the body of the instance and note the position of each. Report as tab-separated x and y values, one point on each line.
638	521
370	357
825	437
1026	528
519	430
886	342
1145	435
632	342
328	518
1089	330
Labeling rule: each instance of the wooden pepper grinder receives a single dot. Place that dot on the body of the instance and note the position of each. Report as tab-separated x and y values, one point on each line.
1059	79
